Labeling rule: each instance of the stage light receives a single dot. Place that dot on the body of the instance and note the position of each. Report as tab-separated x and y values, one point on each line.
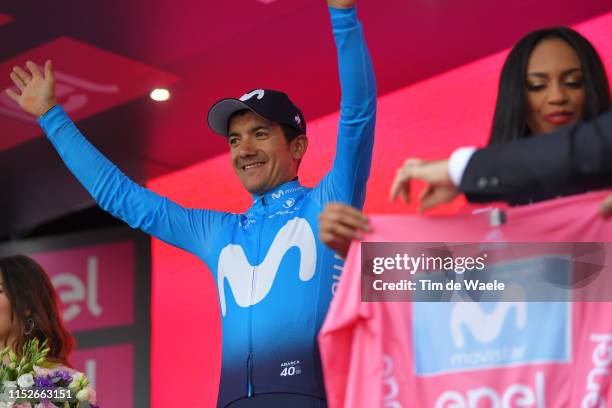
160	95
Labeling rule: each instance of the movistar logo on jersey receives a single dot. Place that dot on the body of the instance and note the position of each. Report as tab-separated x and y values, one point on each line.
484	326
250	284
451	337
281	193
466	336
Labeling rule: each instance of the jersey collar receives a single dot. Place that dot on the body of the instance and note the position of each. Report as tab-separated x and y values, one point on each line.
279	194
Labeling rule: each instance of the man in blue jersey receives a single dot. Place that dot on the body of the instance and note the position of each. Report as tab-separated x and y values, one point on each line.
274	277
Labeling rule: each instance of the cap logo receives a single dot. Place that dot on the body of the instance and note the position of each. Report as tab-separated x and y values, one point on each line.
257	92
297	119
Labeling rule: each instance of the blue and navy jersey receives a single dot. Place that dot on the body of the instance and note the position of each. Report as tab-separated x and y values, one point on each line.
274	277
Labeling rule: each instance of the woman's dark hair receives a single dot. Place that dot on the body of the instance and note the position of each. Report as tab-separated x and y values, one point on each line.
510	118
32	296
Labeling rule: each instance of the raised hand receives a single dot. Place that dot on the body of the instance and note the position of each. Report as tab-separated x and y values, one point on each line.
339	224
341	4
439	190
37	88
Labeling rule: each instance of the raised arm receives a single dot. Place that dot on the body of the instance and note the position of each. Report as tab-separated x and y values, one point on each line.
113	191
347	179
572	160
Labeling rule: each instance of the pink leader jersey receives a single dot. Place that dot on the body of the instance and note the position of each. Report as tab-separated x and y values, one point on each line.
537	354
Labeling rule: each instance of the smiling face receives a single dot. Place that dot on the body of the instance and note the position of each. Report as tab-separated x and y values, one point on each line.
556	93
260	154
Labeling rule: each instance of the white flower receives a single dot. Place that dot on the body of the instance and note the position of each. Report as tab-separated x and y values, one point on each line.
85	394
25	381
4	404
9	384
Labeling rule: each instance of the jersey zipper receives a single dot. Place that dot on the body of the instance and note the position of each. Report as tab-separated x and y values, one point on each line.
253	285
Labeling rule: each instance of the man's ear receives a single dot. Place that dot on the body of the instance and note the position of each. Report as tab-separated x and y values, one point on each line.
299	146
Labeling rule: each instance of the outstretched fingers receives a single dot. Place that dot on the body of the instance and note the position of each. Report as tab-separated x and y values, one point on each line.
18	81
22	74
34	70
49	70
401	183
12	94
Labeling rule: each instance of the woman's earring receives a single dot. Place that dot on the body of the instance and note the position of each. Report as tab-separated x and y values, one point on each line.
28	326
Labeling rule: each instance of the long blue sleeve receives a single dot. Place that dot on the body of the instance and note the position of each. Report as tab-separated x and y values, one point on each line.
347	179
189	229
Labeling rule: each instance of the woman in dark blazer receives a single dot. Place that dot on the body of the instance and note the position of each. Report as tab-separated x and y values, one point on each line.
551	80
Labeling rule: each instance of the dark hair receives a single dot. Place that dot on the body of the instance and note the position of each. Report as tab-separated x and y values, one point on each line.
32	296
288	131
510	118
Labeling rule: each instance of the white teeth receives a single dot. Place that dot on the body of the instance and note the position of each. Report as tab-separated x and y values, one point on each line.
253	165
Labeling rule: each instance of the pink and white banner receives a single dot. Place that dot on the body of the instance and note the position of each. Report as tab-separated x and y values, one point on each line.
95	284
467	354
110	371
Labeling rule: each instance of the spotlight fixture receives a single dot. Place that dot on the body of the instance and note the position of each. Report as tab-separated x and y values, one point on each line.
160	95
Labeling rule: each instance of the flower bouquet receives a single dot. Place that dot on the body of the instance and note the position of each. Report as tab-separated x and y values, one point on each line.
25	383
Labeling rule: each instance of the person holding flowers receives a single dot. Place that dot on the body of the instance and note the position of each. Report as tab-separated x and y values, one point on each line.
35	371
